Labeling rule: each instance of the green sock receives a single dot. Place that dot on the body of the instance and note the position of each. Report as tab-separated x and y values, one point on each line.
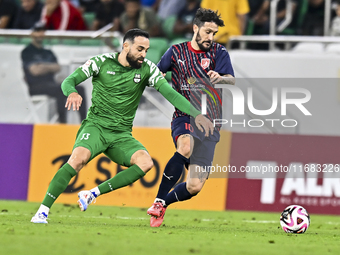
58	184
122	179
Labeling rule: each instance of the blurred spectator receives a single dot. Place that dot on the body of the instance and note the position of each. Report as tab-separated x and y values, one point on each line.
254	6
234	14
29	13
169	8
40	65
185	18
136	16
335	28
108	11
151	4
88	5
261	17
8	10
314	20
61	15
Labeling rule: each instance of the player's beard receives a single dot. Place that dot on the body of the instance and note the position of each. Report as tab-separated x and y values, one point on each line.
133	62
200	44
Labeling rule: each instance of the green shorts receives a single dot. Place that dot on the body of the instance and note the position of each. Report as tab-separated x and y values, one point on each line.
119	146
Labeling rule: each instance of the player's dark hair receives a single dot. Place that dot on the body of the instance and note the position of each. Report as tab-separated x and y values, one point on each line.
207	15
133	33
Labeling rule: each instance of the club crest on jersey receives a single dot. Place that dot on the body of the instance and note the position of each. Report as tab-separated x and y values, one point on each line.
137	78
205	62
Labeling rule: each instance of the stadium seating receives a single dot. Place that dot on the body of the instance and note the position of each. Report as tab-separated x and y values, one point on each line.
153	55
309	48
168	27
160	44
178	40
89	18
333	48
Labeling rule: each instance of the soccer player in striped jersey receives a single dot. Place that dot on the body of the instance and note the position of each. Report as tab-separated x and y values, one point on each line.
195	67
119	80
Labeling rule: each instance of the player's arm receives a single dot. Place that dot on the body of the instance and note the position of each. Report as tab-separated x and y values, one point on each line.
181	103
68	87
164	64
157	81
81	74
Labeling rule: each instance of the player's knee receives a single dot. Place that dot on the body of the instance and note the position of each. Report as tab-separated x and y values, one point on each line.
194	188
80	156
146	164
142	159
77	163
184	149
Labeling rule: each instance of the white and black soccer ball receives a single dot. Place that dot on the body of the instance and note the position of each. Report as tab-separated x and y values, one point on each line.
295	219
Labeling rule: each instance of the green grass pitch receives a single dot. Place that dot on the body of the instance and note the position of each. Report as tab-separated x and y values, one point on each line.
119	230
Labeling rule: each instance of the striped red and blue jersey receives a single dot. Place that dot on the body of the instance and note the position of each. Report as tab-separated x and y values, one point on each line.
189	69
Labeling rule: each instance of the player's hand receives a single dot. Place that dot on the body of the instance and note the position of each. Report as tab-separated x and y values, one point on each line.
204	125
163	74
214	76
73	100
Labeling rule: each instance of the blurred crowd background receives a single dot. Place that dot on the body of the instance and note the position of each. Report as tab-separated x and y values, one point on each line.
168	18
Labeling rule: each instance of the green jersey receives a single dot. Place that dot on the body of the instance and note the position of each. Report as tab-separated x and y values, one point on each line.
117	89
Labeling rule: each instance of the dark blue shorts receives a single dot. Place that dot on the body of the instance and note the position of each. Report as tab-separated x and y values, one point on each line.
204	147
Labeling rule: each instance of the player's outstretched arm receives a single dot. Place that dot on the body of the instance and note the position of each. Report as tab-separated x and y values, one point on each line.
181	103
68	87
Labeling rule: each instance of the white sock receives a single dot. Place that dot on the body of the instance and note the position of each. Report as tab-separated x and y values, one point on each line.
159	200
96	191
43	209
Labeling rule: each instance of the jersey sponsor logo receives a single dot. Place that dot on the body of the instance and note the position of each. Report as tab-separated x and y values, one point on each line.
205	62
137	78
111	72
85	136
181	61
185	87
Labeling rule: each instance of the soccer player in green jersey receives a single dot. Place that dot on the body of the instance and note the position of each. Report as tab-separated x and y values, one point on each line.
119	80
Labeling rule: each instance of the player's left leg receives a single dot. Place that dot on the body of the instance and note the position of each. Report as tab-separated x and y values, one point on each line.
202	156
125	151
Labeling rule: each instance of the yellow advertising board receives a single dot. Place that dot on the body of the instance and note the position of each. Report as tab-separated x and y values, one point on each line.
52	146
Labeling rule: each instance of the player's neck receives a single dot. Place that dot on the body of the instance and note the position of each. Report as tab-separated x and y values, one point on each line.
193	46
122	60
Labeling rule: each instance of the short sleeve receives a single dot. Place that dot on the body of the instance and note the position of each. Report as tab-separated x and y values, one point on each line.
223	63
156	78
92	66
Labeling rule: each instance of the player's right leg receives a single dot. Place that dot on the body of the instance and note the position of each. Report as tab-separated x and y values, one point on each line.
61	179
126	151
88	137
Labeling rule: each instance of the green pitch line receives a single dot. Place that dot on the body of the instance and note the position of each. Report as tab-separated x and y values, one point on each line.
121	230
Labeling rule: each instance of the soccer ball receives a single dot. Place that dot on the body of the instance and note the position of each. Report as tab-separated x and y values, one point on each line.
295	219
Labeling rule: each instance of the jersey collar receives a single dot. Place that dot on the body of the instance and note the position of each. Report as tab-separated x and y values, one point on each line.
193	50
